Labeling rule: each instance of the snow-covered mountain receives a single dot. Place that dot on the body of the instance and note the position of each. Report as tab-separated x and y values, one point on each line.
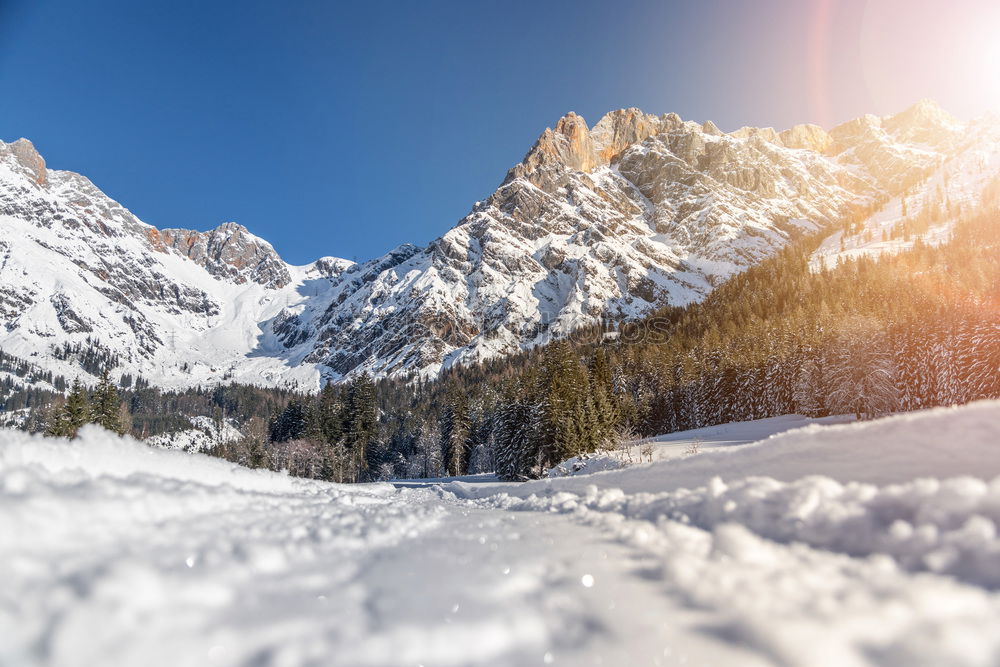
79	271
967	178
608	222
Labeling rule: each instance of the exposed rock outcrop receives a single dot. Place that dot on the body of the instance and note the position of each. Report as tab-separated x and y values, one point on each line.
228	251
808	137
27	158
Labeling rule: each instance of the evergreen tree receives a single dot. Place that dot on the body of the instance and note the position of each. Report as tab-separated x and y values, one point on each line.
361	424
57	423
74	413
809	391
862	380
290	423
456	428
106	408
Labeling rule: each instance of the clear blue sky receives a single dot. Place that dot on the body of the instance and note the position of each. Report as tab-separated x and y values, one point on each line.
347	128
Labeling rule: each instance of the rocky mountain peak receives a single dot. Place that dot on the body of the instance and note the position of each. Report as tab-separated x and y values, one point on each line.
596	223
331	266
229	251
574	146
25	157
806	136
567	146
620	129
924	122
711	128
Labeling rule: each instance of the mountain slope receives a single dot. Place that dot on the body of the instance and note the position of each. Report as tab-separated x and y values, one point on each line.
640	212
77	270
602	223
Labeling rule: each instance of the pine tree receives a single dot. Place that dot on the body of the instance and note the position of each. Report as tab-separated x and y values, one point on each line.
57	423
862	376
290	423
563	412
68	419
455	431
427	459
809	392
361	423
604	416
106	408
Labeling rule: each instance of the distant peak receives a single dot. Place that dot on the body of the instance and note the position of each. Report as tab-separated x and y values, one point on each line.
25	155
711	128
231	228
229	251
923	111
925	122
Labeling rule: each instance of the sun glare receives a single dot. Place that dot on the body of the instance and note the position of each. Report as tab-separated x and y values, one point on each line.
911	51
991	72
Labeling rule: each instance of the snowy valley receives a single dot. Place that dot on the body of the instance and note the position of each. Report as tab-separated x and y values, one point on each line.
500	334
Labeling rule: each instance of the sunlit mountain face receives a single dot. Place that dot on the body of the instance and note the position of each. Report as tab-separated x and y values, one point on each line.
598	225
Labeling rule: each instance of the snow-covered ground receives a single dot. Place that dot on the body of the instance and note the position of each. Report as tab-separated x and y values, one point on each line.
686	443
854	544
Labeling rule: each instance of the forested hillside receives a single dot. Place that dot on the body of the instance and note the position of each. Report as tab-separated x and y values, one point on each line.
869	336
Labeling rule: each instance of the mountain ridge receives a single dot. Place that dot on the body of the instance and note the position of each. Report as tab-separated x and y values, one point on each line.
594	224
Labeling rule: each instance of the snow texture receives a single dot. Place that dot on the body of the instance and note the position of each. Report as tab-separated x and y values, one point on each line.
856	544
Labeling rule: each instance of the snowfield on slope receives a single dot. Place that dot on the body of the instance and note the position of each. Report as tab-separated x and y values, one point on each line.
856	544
684	443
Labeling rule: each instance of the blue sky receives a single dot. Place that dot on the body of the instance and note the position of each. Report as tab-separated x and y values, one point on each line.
347	128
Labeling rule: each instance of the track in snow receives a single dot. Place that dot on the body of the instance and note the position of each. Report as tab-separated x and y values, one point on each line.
124	555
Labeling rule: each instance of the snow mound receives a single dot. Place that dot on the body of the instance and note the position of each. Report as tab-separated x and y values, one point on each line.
97	454
924	522
943	442
117	553
902	569
942	526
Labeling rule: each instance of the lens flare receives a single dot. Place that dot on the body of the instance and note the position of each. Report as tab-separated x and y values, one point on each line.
912	50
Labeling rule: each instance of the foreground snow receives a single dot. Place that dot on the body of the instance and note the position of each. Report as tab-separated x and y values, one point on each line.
856	544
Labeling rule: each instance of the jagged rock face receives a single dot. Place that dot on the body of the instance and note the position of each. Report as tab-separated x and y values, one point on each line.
228	251
637	213
640	212
898	151
22	155
620	129
807	137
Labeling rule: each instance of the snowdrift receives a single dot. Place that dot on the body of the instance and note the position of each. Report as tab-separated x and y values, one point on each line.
923	488
98	453
944	442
